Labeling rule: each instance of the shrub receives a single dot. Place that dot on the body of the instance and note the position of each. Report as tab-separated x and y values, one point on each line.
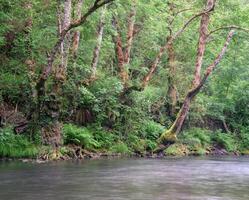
244	138
136	144
79	136
120	148
224	140
105	138
15	146
150	145
196	135
151	130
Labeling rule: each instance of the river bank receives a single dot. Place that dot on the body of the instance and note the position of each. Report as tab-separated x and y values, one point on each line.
163	152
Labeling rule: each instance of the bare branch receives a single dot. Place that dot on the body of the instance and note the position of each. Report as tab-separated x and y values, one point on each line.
228	27
187	23
181	11
211	67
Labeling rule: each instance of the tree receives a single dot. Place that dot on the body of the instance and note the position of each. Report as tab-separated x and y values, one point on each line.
52	132
197	84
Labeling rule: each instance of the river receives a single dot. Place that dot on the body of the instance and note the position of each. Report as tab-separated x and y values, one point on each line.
225	178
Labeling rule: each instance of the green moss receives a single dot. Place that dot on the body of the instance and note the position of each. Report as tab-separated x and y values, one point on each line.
168	137
245	152
176	149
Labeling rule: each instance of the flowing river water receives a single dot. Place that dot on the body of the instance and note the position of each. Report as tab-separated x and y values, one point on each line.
127	179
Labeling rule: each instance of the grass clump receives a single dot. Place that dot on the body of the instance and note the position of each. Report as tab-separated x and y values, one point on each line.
16	146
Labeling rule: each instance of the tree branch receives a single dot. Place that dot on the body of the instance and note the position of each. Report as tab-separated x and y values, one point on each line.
217	60
187	23
52	55
64	32
228	27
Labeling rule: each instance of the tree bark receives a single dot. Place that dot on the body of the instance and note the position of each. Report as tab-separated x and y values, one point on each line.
172	91
171	134
203	33
65	24
96	51
76	34
153	67
120	54
130	34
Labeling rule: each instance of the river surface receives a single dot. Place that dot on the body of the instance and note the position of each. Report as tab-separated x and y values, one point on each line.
127	179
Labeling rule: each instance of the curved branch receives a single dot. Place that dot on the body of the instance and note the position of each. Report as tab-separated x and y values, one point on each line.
217	60
228	27
187	23
52	55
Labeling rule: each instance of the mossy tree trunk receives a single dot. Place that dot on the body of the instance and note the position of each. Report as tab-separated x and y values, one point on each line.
172	91
170	135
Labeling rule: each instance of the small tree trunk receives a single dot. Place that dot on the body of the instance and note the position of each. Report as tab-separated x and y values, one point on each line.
66	24
172	92
203	32
98	45
120	55
130	34
76	34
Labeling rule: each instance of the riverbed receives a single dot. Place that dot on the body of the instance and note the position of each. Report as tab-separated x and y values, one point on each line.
223	178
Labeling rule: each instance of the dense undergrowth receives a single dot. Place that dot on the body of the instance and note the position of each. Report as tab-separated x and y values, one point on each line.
194	141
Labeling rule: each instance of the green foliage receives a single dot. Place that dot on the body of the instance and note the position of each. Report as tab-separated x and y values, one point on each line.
151	130
244	138
15	146
196	137
79	136
120	148
224	140
104	138
150	145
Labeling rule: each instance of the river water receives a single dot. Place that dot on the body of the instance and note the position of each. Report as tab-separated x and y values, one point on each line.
127	179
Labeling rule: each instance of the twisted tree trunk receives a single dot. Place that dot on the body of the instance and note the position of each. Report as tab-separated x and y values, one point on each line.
197	83
171	134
